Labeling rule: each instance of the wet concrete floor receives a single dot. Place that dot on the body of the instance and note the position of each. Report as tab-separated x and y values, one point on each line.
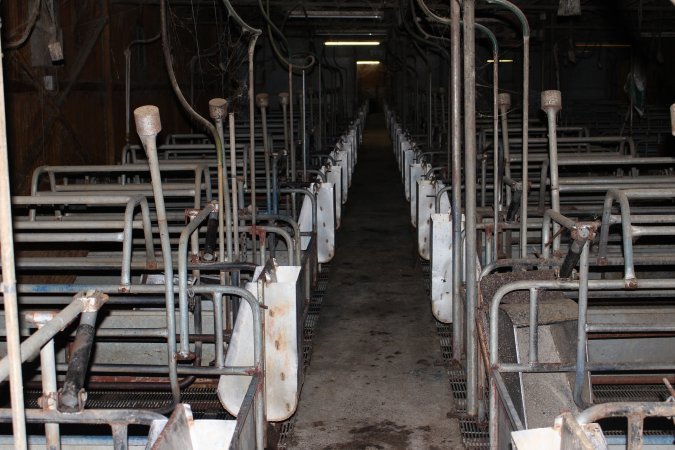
376	378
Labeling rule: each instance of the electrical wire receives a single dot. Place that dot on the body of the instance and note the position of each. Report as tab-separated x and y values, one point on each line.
32	20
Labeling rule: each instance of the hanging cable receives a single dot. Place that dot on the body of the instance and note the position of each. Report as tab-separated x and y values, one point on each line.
32	20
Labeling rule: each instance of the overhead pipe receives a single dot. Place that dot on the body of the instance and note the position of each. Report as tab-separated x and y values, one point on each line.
127	80
148	126
526	116
168	61
255	33
9	285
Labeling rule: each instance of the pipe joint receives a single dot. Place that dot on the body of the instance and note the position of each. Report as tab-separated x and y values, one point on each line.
92	301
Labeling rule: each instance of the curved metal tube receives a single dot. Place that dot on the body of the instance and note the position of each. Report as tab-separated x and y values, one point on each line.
526	115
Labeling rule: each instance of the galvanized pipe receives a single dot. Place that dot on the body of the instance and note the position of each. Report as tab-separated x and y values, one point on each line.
504	102
262	101
217	111
304	127
526	116
183	310
455	143
283	100
582	302
251	124
49	381
233	174
31	346
12	325
291	137
470	205
551	103
148	125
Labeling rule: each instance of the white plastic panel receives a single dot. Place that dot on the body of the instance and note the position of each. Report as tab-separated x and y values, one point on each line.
204	434
417	170
441	267
334	176
408	157
325	227
425	207
282	347
305	219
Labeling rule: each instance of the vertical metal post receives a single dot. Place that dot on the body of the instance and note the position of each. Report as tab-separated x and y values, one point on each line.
504	101
470	204
429	109
551	103
49	384
304	128
580	375
233	174
526	125
283	100
262	100
9	285
456	148
319	136
496	189
218	110
290	127
251	131
148	126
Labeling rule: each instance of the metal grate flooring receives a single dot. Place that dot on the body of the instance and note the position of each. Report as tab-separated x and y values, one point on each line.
203	400
474	434
630	393
311	320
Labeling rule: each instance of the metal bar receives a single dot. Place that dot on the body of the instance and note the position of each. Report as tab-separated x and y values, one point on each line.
534	326
49	385
184	312
551	104
456	147
582	302
31	346
470	204
148	125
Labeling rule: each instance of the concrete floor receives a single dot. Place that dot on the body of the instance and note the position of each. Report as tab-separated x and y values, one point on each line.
377	378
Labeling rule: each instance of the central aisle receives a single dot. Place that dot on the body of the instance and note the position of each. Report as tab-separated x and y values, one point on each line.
377	378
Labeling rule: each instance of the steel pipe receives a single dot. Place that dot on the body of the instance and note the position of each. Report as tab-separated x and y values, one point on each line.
148	125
